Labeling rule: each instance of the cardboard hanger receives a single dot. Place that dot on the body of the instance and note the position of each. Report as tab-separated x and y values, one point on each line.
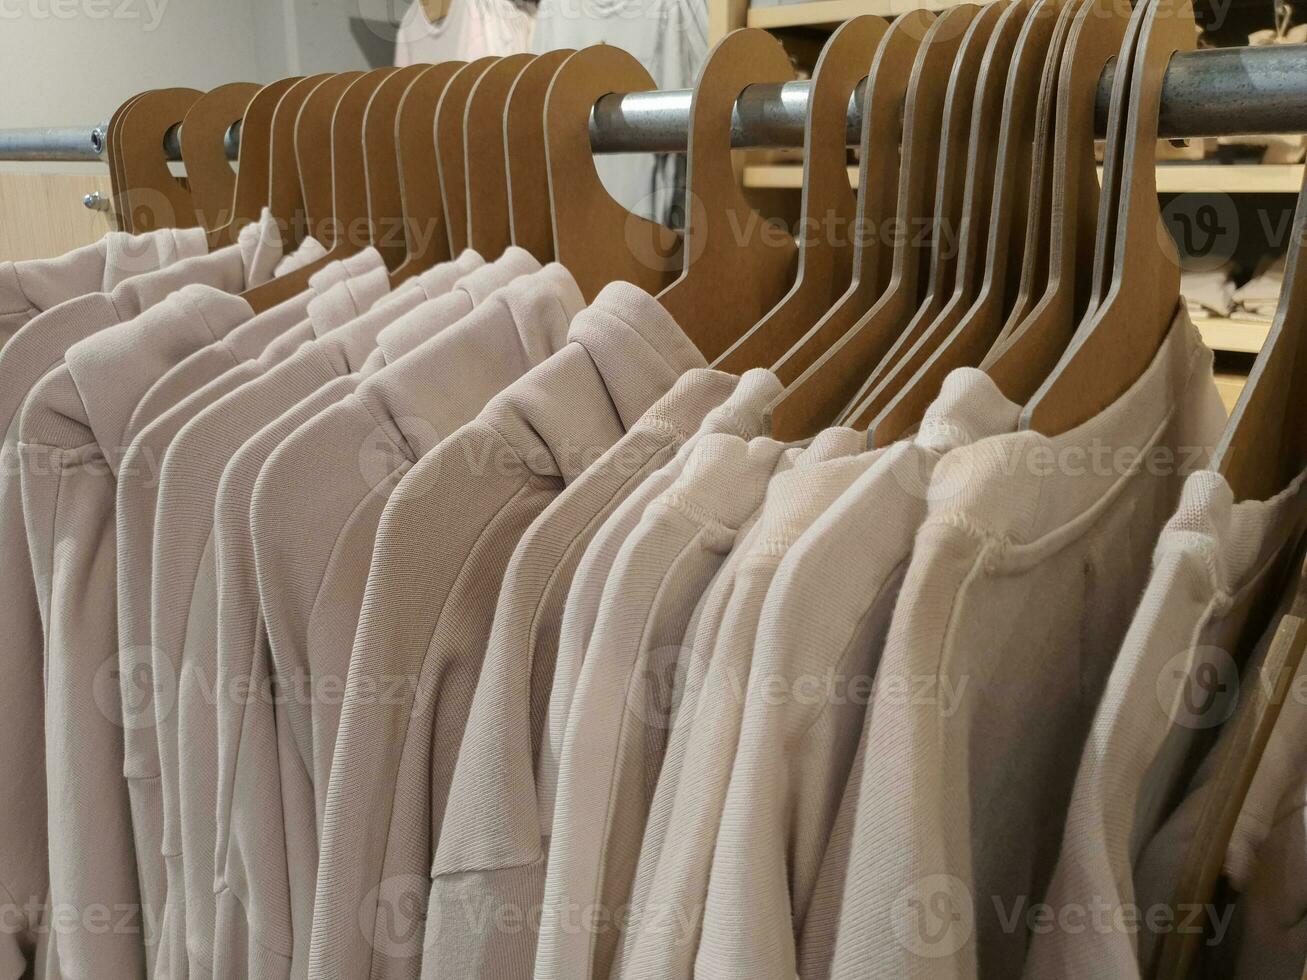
829	206
1244	740
1110	196
209	173
113	157
947	224
998	172
1030	275
381	165
1036	344
283	193
531	224
251	191
877	197
313	152
154	197
596	238
425	237
484	163
1264	446
1110	351
738	265
825	386
349	179
314	132
450	114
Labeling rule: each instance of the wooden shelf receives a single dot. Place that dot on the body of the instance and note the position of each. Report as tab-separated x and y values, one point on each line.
783	176
1215	178
829	13
1172	178
1230	387
1234	336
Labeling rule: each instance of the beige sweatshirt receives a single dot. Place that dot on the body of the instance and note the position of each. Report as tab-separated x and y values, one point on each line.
137	495
741	415
443	545
235	952
491	853
312	567
276	332
183	603
672	911
31	287
68	286
618	721
1020	589
1266	863
70	447
815	653
1213	562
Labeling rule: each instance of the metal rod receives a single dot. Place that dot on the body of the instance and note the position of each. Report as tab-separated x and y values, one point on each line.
1216	92
1219	92
48	143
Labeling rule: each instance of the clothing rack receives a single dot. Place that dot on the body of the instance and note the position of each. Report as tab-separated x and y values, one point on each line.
1215	92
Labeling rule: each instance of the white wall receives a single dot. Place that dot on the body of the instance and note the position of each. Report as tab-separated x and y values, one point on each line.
334	35
72	62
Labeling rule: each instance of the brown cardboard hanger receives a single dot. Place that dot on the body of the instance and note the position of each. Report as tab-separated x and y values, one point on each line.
950	195
877	197
349	179
113	156
251	192
484	162
209	174
998	172
283	192
1024	359
425	237
531	225
449	150
1264	446
381	165
314	131
1110	351
825	386
595	238
1029	278
829	206
154	197
313	151
738	266
1110	195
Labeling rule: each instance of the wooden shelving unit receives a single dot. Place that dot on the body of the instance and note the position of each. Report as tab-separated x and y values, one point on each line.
1234	336
1172	178
1230	387
828	13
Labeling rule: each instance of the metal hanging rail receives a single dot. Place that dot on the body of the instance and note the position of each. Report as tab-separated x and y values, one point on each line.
1218	92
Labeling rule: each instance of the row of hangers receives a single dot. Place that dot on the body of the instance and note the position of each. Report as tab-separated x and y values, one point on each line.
978	236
